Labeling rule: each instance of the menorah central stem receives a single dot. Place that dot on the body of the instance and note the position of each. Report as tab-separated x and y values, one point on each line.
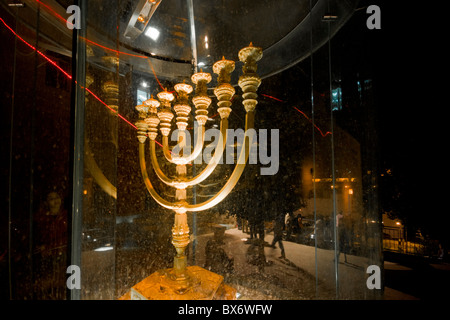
179	278
180	240
180	230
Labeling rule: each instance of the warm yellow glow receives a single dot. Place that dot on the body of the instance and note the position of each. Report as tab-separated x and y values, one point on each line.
249	83
350	191
337	180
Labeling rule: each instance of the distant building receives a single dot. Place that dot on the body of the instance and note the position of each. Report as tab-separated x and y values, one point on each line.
348	181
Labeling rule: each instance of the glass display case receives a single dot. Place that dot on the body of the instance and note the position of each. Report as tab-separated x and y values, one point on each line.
290	215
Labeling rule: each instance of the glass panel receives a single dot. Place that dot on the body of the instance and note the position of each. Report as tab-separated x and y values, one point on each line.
36	140
355	148
323	211
275	236
348	209
101	143
316	178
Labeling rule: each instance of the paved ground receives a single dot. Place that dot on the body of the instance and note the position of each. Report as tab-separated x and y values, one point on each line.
281	278
417	279
294	277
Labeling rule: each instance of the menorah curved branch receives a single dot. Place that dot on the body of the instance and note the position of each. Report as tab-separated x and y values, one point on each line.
212	164
151	118
97	173
237	172
189	158
204	173
148	184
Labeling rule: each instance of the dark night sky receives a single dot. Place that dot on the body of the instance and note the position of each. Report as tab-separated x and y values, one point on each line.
412	110
403	61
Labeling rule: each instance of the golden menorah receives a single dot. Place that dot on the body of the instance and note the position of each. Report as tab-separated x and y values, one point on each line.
154	113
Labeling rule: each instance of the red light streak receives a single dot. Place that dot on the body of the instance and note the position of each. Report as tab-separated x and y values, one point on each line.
133	55
304	114
113	50
128	54
265	95
66	74
154	73
321	132
40	53
70	77
123	53
114	111
53	11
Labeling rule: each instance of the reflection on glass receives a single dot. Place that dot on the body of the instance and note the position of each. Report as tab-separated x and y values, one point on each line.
308	232
36	144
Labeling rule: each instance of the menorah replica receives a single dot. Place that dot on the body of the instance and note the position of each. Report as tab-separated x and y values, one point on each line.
181	279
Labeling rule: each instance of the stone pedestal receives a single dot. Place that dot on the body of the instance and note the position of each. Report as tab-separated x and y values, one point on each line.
206	285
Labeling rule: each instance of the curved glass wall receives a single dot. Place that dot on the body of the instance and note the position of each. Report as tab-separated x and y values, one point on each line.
36	151
312	179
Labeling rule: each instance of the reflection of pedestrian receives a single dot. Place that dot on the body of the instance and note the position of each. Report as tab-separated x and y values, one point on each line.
297	222
217	259
255	255
51	249
278	233
441	252
252	227
288	224
260	229
342	236
300	222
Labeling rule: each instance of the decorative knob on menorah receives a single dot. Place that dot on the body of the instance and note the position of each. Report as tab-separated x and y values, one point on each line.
249	80
201	99
165	115
182	108
224	90
151	118
141	124
179	278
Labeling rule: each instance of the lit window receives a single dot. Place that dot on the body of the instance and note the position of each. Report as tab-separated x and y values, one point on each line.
152	33
142	96
336	99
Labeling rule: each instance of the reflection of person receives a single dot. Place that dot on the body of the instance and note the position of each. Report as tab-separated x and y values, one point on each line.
300	222
255	255
278	233
216	258
296	222
51	249
252	227
441	252
342	236
287	225
260	229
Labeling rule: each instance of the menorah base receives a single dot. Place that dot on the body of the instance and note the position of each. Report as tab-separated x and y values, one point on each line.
200	284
